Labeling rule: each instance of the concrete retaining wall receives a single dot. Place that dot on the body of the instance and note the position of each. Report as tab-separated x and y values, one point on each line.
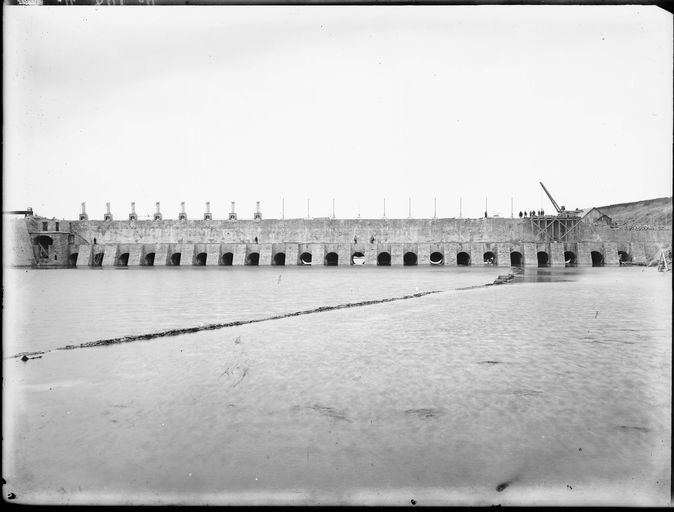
292	237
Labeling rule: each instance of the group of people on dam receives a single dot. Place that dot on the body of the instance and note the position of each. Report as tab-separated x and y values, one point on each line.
533	213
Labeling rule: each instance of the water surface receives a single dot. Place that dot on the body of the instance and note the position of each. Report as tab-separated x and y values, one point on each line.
553	390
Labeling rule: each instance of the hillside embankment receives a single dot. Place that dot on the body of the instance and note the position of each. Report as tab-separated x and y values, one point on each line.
647	214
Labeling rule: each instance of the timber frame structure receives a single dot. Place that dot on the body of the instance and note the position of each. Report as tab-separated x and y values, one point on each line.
554	228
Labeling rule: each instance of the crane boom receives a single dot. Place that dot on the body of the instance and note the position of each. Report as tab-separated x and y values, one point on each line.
554	203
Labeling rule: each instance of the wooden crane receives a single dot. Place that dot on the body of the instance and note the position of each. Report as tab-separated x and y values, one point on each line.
560	228
560	211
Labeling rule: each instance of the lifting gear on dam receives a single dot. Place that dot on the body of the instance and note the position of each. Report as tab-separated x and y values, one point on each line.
555	228
562	212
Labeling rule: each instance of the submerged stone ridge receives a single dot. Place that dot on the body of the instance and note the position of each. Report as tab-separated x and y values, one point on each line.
211	327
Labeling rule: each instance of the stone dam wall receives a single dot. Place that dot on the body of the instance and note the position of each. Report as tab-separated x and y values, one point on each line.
42	242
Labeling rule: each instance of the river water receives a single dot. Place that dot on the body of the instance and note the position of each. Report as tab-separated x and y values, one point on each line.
552	390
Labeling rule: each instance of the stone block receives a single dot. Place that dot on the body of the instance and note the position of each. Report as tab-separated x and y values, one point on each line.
239	255
424	254
161	254
317	255
451	250
84	256
110	255
611	254
212	254
370	254
638	253
397	251
503	255
584	256
265	254
292	254
557	255
344	253
530	256
187	254
477	254
135	254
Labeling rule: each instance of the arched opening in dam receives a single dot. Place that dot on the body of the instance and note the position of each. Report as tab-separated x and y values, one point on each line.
515	259
623	257
489	258
175	258
227	259
597	259
569	259
463	259
437	258
280	258
409	259
123	260
542	258
201	259
357	258
149	259
253	259
305	258
331	259
72	259
43	242
384	259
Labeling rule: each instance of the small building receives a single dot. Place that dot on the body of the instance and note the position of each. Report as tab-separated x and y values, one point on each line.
595	216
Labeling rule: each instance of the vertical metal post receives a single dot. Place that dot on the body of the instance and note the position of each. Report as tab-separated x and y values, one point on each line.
308	211
333	207
283	208
460	206
435	208
384	208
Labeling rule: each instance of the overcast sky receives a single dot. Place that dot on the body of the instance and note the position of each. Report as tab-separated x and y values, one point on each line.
357	104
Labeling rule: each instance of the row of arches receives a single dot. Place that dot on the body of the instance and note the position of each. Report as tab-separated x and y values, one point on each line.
383	259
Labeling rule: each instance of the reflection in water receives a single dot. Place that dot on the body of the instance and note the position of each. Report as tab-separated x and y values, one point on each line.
514	392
